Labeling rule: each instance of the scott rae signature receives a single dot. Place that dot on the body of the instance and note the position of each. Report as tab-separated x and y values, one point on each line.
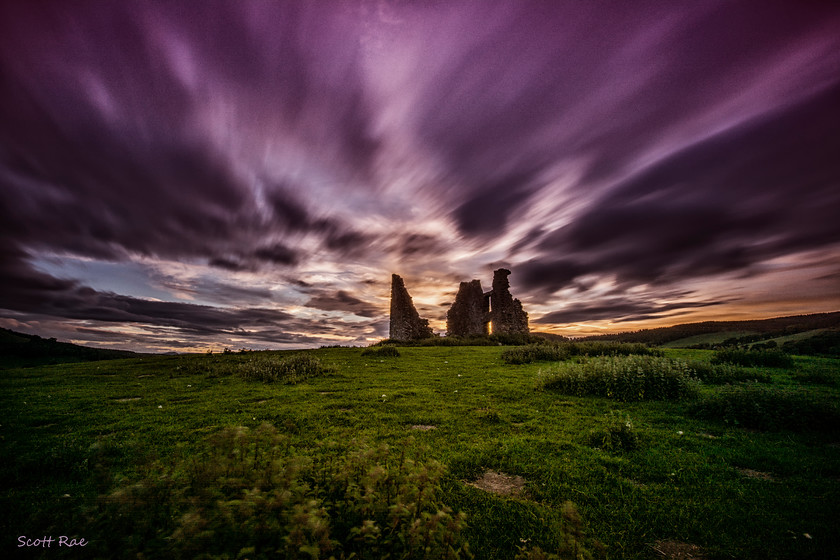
47	542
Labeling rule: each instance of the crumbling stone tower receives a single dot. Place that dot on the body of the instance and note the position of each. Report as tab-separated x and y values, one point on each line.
406	323
470	314
506	313
475	313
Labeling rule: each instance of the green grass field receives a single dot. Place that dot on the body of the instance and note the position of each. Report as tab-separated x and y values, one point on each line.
707	338
73	432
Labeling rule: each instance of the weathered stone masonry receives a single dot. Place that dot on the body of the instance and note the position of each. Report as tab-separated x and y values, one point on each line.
474	312
406	323
506	313
470	314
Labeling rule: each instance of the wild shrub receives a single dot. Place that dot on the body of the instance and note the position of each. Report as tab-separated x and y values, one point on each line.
618	435
753	358
381	352
624	378
718	374
768	408
249	494
275	369
564	350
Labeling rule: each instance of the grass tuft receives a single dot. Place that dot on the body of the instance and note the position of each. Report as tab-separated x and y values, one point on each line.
618	435
381	352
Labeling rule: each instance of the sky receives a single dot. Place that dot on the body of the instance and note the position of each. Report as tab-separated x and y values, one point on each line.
184	176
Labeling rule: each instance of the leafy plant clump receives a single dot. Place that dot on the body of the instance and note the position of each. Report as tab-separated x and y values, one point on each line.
252	495
771	409
381	352
753	358
624	378
565	350
618	435
274	369
719	374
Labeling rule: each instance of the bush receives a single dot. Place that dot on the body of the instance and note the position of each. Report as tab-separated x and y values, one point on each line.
624	378
290	370
718	374
762	408
381	352
251	495
753	358
565	350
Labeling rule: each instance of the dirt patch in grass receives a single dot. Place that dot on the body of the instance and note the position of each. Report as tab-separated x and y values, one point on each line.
750	473
128	399
500	483
675	550
423	427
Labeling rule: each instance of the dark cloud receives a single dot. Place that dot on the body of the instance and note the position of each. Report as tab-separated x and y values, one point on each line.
647	144
619	311
766	188
342	301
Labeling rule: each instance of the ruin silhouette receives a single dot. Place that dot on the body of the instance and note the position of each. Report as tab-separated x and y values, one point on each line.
474	312
406	323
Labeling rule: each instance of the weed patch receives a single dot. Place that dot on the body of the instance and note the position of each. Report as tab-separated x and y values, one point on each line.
623	378
721	373
290	370
565	350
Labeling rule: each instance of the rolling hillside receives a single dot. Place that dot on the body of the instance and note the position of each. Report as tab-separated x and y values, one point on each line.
716	332
27	350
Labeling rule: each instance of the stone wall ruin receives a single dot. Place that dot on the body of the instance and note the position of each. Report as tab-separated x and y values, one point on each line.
406	323
474	312
506	313
470	314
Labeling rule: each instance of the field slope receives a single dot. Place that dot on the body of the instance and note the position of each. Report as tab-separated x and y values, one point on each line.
73	432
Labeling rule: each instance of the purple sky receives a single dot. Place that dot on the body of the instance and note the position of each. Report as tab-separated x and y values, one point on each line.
187	175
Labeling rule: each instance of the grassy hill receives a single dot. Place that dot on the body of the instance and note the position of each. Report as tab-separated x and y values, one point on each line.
145	455
713	332
25	350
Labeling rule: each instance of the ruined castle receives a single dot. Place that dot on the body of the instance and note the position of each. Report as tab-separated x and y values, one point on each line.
474	312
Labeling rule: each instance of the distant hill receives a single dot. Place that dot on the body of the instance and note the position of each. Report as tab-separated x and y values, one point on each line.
27	350
710	333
